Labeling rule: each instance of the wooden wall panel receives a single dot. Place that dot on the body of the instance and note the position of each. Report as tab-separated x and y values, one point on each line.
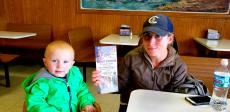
2	14
188	28
63	16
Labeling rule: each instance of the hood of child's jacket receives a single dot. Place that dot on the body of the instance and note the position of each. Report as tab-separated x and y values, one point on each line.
31	80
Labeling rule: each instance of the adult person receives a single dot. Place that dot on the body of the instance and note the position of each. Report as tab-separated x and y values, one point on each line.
154	65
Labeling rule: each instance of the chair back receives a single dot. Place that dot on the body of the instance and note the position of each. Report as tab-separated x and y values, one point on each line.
83	43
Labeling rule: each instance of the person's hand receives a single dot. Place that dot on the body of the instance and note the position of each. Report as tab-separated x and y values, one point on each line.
96	77
89	108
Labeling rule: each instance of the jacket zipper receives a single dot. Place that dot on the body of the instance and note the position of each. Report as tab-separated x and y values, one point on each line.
70	96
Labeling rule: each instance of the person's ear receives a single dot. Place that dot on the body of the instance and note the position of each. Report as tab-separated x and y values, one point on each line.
44	61
170	38
73	63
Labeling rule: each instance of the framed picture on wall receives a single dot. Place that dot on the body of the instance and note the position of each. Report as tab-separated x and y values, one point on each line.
184	6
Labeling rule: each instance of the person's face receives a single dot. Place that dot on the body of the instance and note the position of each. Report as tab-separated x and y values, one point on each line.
156	45
59	61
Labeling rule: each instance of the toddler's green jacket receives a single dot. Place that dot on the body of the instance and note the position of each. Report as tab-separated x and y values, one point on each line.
47	93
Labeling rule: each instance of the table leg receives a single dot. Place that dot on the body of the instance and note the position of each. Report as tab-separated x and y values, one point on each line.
7	77
212	53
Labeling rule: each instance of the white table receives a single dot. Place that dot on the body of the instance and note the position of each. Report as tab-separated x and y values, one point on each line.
158	101
215	45
15	35
116	39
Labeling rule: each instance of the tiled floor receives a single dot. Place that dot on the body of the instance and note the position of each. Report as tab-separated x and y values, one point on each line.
12	98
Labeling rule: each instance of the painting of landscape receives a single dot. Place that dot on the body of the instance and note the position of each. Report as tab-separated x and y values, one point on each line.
205	6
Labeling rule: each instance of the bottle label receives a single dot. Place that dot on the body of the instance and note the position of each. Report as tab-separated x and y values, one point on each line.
221	81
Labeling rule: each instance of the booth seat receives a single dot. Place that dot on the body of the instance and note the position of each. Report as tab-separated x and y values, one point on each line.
203	68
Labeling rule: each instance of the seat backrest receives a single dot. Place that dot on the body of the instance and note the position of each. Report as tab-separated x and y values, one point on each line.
82	36
43	37
82	41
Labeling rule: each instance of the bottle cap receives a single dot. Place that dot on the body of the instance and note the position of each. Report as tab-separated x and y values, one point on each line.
224	62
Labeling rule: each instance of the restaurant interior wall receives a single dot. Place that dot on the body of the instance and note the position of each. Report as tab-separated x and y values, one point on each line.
63	16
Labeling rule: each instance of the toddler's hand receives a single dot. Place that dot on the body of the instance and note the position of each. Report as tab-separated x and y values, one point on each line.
89	108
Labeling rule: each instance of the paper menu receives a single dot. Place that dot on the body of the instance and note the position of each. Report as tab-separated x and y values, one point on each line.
106	63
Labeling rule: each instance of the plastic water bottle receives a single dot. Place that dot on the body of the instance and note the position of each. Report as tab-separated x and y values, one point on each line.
221	84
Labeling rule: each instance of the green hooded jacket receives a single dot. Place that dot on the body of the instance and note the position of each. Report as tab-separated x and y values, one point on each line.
47	93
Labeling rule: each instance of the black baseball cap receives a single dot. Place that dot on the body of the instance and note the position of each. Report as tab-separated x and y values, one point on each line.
159	24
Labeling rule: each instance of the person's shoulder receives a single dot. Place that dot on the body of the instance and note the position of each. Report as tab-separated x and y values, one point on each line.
135	56
40	82
136	51
173	55
179	62
43	73
175	58
74	70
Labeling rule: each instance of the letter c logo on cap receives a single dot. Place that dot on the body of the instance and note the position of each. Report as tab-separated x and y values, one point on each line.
153	20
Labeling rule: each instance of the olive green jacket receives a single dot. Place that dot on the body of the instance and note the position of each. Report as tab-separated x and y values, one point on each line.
136	72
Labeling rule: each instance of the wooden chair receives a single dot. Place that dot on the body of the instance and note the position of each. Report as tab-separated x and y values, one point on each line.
95	104
83	43
5	59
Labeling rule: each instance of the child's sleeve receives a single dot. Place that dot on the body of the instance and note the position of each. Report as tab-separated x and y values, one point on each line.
36	101
85	97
